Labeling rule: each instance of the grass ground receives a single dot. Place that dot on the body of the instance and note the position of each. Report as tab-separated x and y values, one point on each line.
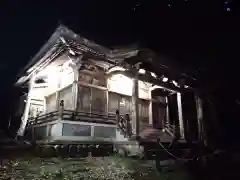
90	168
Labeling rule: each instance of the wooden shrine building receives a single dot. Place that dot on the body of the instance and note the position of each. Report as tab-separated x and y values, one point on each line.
82	92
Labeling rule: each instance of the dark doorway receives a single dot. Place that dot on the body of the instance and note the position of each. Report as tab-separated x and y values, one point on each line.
189	116
159	115
173	110
159	108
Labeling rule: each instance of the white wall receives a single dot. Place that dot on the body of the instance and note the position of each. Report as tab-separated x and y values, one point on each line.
143	91
123	85
55	79
120	84
66	77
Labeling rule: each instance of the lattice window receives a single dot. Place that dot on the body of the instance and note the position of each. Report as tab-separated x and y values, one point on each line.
113	102
98	101
83	99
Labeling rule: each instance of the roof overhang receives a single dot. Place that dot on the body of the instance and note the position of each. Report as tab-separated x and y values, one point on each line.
63	40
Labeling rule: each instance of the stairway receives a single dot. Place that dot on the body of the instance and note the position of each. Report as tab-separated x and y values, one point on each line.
127	146
153	142
152	134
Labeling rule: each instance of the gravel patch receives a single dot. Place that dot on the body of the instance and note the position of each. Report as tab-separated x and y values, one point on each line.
90	168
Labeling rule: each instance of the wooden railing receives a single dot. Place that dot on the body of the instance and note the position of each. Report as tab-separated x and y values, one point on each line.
71	115
49	117
172	130
122	121
89	117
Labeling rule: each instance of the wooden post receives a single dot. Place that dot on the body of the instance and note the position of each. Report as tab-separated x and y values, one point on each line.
180	109
199	117
61	109
150	113
180	114
167	112
90	105
57	100
135	109
75	87
33	136
107	99
117	116
58	90
128	126
77	63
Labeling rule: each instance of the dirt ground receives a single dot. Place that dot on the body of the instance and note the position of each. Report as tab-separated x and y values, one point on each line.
90	168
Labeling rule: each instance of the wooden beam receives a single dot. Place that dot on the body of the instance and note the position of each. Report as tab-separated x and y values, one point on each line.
166	85
163	64
92	85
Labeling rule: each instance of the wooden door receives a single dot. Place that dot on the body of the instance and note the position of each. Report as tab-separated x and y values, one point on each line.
159	115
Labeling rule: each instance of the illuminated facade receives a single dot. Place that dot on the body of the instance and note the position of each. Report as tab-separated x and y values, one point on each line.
76	87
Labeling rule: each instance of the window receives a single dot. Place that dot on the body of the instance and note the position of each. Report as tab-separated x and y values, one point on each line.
36	108
83	99
51	102
98	101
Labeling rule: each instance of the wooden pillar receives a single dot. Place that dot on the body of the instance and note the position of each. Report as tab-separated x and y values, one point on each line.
24	118
199	107
107	99
150	114
135	109
167	112
57	99
61	109
75	67
58	89
180	114
75	87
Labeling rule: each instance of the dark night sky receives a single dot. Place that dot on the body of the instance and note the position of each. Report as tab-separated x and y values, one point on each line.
203	34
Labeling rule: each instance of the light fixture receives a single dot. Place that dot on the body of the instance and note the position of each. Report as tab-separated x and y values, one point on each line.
175	83
165	79
153	75
72	52
142	71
